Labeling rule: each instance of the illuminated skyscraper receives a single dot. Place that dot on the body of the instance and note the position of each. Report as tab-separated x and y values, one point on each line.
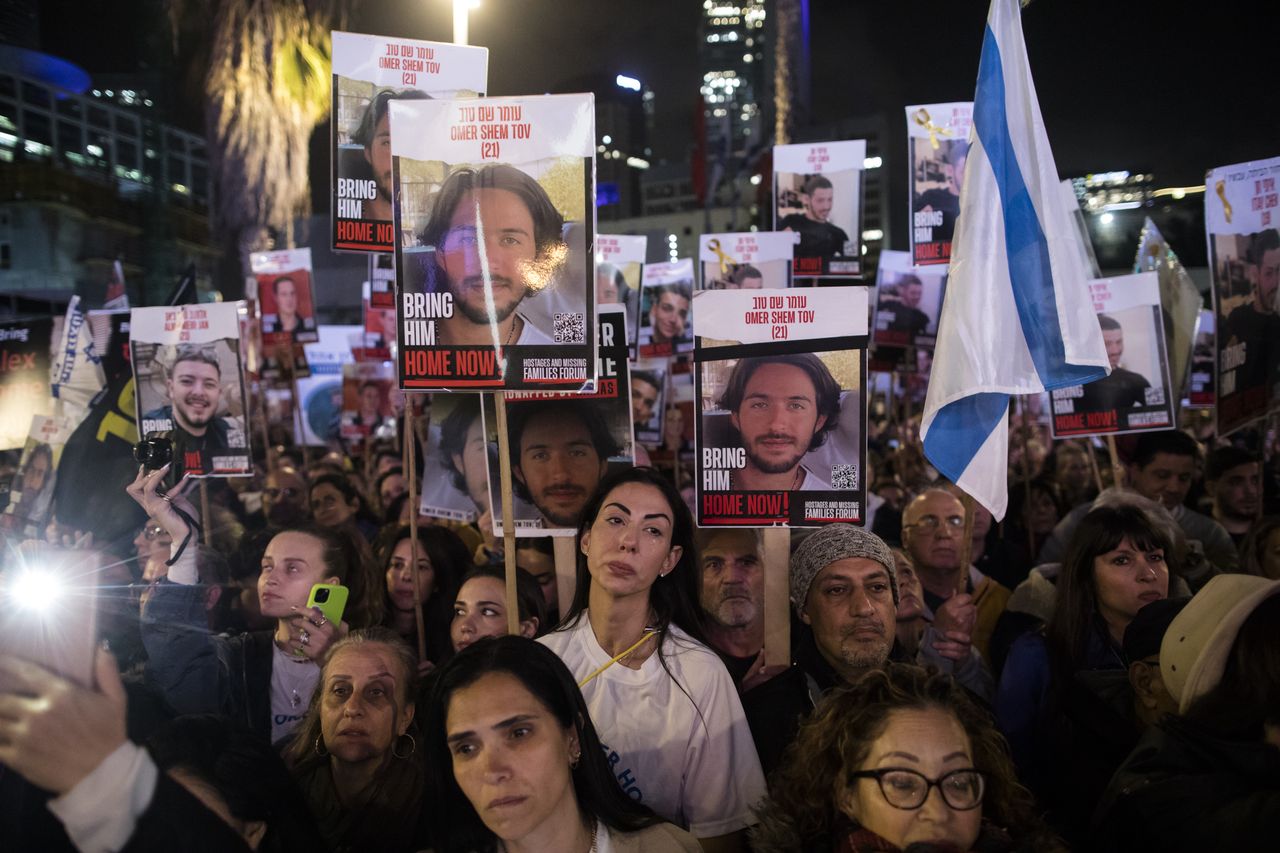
735	63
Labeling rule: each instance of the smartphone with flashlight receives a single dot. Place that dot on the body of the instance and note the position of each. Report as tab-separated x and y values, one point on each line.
331	598
48	609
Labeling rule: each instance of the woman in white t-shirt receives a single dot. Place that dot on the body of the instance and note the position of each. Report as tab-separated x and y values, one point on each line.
667	711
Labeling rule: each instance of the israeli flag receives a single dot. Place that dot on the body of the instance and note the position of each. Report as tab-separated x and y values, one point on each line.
1017	318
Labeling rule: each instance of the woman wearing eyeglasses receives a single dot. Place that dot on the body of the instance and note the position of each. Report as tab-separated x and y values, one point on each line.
902	757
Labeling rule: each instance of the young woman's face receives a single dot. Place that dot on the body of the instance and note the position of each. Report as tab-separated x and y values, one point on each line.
511	756
362	708
292	564
329	507
930	742
480	611
628	546
1128	579
400	577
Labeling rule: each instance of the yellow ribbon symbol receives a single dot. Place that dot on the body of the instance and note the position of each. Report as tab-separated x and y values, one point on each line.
921	117
725	261
1226	205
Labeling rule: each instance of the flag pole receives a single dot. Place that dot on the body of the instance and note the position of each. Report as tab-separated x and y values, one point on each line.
966	547
1117	473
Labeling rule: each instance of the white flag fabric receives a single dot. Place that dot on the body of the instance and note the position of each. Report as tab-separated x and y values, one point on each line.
1017	318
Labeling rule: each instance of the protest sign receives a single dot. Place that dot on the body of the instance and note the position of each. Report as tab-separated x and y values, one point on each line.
32	489
781	436
908	302
664	324
319	396
284	296
1180	300
1200	377
817	193
747	261
190	386
24	377
1242	218
1137	395
938	146
562	445
496	276
619	264
369	72
369	397
648	400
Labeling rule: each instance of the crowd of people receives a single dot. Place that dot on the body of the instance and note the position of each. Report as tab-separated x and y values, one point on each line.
1098	671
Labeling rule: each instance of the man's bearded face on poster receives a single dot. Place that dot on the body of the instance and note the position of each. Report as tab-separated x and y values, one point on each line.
1268	280
378	154
778	417
195	389
491	230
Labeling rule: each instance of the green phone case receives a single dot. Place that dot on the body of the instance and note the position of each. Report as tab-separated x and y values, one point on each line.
336	603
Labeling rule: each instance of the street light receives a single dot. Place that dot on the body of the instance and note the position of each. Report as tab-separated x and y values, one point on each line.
461	8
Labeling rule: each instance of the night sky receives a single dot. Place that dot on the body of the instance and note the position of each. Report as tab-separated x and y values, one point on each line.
1167	87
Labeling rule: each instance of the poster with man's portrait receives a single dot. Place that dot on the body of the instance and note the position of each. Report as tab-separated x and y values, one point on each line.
649	399
750	260
455	469
1137	395
1242	217
31	490
938	148
370	72
371	403
562	445
24	383
287	306
380	328
619	264
189	386
664	323
781	426
817	193
908	302
497	202
1200	378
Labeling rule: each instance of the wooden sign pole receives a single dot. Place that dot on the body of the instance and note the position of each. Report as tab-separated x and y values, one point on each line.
508	512
412	474
777	603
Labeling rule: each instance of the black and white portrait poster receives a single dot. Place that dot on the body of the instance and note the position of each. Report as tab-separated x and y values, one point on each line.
747	261
562	445
190	386
938	146
495	274
1136	395
781	427
619	266
908	302
665	320
1242	217
369	72
817	193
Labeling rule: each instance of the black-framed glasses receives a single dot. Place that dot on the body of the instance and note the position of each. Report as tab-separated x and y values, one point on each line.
961	789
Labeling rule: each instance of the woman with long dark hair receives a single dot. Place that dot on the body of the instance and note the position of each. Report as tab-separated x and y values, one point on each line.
666	709
442	559
515	763
1118	561
479	608
862	772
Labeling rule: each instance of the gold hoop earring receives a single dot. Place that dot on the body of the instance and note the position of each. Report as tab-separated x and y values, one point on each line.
319	747
413	746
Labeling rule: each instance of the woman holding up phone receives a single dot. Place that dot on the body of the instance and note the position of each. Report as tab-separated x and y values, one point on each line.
665	706
265	678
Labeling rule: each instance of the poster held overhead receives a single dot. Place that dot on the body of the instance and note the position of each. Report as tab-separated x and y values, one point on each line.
746	261
1137	395
908	302
938	146
369	72
1180	300
24	382
1201	376
190	386
30	494
664	325
817	193
496	276
648	400
1242	218
781	437
619	265
562	445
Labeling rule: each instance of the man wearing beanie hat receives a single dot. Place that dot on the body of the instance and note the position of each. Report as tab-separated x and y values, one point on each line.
1209	777
844	585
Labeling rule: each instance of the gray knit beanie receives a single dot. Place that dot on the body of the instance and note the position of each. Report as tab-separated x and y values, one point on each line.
836	542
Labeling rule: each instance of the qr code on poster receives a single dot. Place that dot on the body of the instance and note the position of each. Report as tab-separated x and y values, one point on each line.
844	476
570	329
